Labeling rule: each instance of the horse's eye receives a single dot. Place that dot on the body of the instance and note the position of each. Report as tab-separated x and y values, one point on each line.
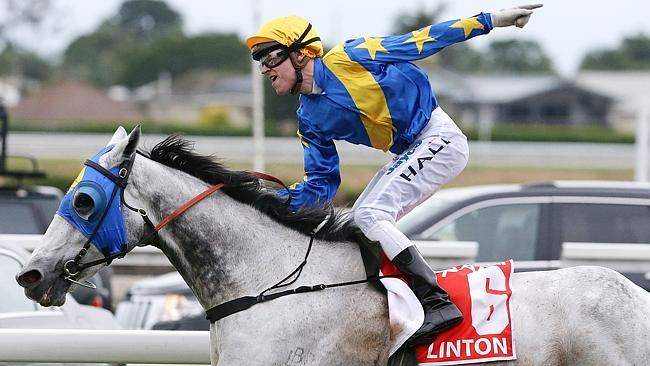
83	204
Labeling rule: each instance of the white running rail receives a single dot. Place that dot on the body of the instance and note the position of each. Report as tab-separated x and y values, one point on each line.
105	346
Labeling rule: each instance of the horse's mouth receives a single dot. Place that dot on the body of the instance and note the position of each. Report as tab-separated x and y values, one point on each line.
52	296
48	300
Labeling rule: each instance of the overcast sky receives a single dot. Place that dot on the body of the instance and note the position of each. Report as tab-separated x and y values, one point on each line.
566	29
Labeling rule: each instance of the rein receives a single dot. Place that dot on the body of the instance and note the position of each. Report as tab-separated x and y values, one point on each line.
73	267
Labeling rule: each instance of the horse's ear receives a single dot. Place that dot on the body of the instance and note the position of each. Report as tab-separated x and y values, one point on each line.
123	148
134	138
119	134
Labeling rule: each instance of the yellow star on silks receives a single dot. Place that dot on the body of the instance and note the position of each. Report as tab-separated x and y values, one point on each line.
420	37
373	45
468	25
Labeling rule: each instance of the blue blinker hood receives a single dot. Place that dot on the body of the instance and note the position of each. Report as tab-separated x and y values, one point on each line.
107	235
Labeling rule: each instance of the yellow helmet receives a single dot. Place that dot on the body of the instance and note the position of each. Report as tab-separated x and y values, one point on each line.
291	31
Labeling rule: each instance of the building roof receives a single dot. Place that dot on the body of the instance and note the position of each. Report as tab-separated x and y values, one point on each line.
200	87
211	82
75	101
509	88
629	88
490	88
499	88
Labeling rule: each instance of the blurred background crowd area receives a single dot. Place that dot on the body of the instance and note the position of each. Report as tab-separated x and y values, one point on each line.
139	65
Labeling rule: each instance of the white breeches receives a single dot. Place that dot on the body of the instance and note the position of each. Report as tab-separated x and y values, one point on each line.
437	156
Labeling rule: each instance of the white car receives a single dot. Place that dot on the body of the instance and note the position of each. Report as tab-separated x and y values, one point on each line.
17	311
541	226
163	298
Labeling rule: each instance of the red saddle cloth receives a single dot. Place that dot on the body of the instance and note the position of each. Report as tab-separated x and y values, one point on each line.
483	296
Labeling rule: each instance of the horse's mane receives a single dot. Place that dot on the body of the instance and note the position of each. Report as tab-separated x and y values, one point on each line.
177	153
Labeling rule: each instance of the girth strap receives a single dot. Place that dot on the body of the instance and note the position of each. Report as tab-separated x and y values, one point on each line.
243	303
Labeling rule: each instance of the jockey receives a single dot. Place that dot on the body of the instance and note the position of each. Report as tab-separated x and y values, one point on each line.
367	91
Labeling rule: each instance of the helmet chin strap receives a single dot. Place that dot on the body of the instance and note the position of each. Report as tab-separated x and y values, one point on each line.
298	68
293	49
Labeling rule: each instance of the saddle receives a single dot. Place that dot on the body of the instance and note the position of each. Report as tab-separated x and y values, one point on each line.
481	293
371	255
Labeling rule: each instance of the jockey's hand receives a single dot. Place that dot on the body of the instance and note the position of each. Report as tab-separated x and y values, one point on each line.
517	16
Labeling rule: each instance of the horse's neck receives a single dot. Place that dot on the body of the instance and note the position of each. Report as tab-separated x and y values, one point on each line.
223	249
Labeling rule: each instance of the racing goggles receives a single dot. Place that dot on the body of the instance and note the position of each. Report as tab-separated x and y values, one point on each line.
271	54
272	57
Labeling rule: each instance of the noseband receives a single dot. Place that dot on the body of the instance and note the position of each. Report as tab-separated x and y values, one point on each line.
73	267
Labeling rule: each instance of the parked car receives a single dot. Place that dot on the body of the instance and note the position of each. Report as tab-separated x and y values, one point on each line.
17	311
541	225
158	299
190	322
102	295
28	210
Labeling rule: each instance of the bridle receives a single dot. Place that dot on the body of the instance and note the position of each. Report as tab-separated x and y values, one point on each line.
73	267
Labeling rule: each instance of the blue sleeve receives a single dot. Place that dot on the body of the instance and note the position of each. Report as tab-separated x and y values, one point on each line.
418	44
322	177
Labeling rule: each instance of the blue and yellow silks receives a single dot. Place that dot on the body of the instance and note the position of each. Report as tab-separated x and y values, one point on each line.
371	95
111	234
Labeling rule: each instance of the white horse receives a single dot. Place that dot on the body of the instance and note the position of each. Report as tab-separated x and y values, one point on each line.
242	240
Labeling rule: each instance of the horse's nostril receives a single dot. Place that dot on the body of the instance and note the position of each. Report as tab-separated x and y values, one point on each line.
29	278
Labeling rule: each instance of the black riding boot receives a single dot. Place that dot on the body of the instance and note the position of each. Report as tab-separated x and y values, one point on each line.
439	312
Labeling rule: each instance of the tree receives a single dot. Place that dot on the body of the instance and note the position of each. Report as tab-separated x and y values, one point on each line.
15	15
632	54
408	22
105	56
18	16
501	56
17	61
178	54
100	56
280	111
148	20
458	57
516	56
144	39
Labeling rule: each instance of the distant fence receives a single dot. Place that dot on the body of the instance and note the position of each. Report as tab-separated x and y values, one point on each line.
287	150
150	260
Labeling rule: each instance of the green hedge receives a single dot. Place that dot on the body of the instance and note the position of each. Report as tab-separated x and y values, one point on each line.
554	133
499	133
109	127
